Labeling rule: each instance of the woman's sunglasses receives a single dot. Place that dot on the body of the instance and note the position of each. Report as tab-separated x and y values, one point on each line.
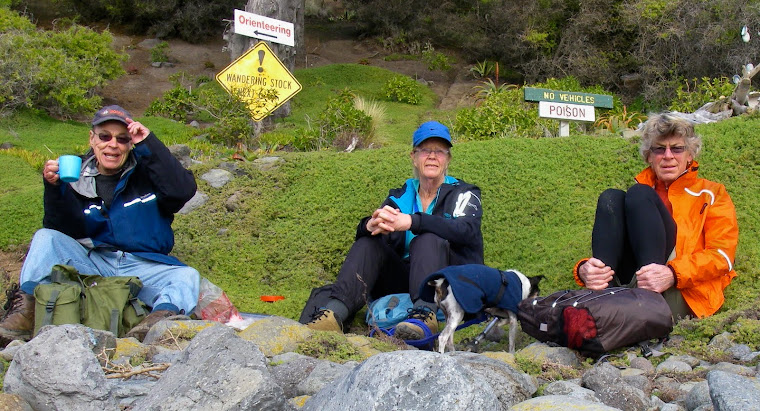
105	137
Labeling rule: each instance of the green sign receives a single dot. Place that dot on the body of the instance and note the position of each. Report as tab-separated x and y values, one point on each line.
568	97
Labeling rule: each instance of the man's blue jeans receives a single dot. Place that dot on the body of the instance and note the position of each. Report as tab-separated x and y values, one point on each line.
164	286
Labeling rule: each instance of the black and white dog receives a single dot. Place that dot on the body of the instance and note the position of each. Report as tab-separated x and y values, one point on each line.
473	288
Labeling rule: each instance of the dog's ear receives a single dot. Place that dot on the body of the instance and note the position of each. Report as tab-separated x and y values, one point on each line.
534	291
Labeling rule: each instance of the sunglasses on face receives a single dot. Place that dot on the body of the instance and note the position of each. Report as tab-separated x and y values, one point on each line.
121	139
425	152
660	150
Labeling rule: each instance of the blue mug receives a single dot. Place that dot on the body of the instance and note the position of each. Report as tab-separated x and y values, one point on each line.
69	168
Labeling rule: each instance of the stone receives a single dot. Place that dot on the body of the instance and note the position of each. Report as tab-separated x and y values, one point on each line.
670	365
688	359
734	369
6	146
233	202
267	163
323	374
556	355
699	395
198	200
175	333
217	371
57	370
572	390
217	178
560	403
182	153
739	350
407	380
275	335
13	402
722	341
290	373
195	124
609	386
731	392
10	349
642	364
233	168
148	43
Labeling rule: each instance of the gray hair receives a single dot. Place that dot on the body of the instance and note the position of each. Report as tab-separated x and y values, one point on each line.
661	126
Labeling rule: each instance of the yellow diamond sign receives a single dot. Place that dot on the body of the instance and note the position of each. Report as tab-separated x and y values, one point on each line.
260	79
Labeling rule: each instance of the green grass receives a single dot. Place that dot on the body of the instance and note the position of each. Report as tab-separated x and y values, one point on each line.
295	223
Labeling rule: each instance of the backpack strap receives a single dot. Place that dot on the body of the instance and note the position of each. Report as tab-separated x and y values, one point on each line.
50	307
135	303
115	322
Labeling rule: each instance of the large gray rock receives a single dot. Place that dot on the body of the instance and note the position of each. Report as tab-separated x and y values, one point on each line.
731	392
408	380
324	373
57	370
609	386
218	371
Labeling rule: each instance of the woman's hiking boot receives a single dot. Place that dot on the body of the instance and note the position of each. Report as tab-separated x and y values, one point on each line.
18	321
413	328
324	320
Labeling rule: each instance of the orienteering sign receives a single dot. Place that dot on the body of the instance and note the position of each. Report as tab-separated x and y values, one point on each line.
260	79
264	28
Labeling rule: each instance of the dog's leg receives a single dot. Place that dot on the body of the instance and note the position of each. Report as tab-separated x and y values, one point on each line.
446	339
512	331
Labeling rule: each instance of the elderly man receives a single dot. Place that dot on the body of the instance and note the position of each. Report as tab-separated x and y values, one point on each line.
114	221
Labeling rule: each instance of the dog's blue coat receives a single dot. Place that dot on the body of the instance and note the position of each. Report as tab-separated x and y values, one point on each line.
477	286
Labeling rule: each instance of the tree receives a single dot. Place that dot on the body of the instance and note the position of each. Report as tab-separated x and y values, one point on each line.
285	10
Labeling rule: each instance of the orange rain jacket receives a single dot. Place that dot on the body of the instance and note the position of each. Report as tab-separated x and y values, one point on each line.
706	239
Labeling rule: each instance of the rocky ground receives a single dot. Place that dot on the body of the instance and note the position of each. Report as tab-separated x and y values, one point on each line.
279	364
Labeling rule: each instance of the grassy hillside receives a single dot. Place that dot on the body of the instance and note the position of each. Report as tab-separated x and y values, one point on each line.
294	224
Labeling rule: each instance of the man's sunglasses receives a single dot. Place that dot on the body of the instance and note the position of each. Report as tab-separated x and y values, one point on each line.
660	150
105	137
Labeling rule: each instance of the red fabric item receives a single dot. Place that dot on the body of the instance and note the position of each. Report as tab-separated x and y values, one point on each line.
579	326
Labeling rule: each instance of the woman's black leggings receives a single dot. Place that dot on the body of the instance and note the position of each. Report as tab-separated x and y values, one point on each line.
632	229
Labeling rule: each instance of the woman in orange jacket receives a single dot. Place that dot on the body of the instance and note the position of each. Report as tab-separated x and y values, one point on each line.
672	232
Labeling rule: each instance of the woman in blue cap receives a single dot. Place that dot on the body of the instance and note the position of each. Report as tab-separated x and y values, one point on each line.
431	222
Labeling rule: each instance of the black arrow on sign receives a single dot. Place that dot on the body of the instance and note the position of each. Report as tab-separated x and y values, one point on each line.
256	32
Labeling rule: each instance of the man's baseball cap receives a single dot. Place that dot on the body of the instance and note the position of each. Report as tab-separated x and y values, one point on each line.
431	129
109	113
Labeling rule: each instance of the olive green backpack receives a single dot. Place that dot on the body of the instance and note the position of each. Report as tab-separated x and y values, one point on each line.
104	303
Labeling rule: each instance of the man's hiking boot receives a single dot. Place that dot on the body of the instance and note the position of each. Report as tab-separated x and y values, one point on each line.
140	330
324	320
18	321
412	327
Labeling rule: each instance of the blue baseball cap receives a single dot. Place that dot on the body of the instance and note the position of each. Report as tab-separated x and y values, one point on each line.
431	129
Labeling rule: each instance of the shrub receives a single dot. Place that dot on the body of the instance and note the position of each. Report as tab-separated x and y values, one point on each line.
617	121
160	52
504	113
693	94
56	70
340	122
435	60
403	89
196	98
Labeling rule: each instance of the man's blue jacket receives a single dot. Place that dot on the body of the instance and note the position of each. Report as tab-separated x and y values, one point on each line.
152	187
